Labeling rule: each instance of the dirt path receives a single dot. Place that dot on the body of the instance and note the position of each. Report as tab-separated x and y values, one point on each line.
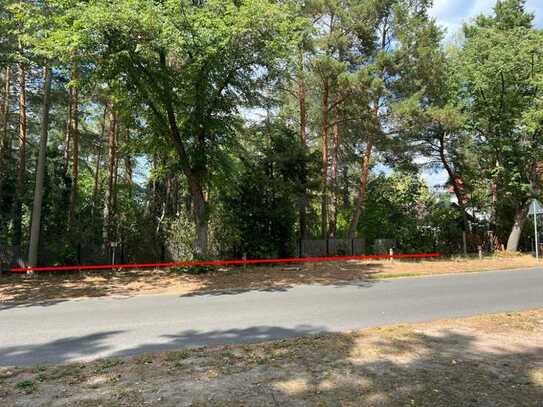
17	289
494	360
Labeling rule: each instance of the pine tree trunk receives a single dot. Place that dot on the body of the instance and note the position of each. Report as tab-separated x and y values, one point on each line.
366	159
114	205
111	160
324	187
302	102
40	172
334	177
128	165
345	190
5	141
303	141
67	134
74	135
21	167
100	146
362	186
114	218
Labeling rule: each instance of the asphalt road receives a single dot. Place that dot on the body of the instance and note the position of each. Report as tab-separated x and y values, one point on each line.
92	328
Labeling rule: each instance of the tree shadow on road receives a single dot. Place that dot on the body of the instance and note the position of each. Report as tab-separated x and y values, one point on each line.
48	289
53	288
194	339
57	351
274	279
75	348
485	363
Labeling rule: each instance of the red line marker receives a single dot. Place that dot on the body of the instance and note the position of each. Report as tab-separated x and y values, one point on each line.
223	262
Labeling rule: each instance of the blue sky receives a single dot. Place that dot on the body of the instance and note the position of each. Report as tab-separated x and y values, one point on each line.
451	14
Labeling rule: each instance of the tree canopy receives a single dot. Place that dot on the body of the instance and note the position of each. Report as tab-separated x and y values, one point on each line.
218	128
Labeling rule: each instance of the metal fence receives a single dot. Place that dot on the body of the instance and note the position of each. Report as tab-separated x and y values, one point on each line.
331	247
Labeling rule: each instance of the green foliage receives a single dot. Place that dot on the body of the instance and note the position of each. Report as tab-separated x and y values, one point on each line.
500	64
187	82
398	207
201	61
261	204
26	386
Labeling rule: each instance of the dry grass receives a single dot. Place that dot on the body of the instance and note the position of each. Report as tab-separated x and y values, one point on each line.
494	360
20	290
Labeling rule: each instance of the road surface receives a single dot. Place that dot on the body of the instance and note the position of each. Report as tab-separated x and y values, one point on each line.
92	328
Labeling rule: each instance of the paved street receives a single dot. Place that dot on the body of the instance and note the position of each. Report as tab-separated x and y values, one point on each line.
91	328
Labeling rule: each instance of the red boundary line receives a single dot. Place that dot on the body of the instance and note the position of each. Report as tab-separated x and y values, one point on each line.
223	262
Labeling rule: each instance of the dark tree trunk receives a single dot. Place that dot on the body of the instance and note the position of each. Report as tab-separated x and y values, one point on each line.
74	135
128	165
459	191
99	149
301	100
40	172
111	161
21	167
67	134
200	208
5	142
303	142
5	139
334	176
114	206
194	177
345	190
324	187
362	187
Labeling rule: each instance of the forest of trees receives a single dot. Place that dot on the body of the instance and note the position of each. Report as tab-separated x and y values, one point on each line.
216	128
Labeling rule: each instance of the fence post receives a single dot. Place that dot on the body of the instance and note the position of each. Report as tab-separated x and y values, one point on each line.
391	253
327	247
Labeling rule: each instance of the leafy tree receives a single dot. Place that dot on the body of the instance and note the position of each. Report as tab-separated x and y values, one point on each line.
398	207
182	129
190	66
261	205
501	64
